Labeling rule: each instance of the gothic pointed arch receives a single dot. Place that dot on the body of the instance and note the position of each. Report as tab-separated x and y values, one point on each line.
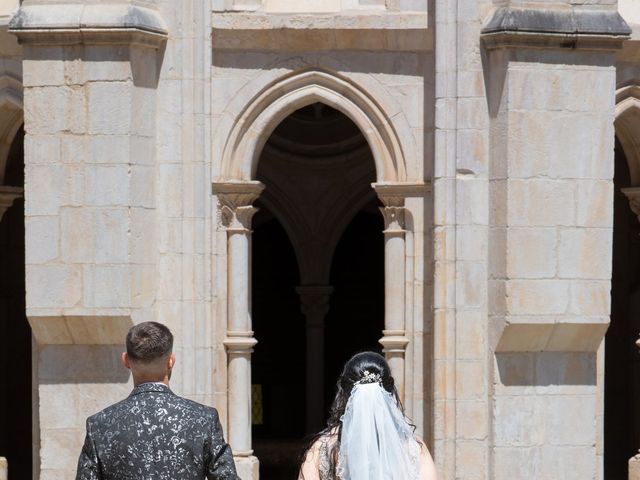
274	103
627	127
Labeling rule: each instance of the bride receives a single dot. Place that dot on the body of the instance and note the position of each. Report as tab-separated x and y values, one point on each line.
367	436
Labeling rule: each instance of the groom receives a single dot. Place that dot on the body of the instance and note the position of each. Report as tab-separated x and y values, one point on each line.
153	433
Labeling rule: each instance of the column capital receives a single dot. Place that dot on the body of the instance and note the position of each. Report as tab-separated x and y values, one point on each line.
394	194
314	302
7	196
236	198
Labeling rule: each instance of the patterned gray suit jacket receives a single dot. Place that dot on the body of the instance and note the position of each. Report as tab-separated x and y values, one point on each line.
155	434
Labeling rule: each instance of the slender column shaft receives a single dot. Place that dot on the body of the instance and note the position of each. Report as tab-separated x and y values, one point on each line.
315	306
236	213
394	341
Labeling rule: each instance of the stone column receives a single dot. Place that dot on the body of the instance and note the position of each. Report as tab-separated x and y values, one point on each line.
236	211
314	301
4	468
7	196
394	341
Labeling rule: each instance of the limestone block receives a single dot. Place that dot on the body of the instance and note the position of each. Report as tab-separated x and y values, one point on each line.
106	286
531	253
42	240
42	149
524	460
472	201
525	198
45	109
44	67
102	62
537	297
590	298
472	148
585	253
473	421
142	235
107	185
61	410
52	187
143	285
110	149
569	420
78	226
53	286
112	230
513	417
470	379
471	288
109	105
73	149
594	203
470	337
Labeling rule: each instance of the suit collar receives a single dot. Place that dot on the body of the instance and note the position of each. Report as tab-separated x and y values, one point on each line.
151	387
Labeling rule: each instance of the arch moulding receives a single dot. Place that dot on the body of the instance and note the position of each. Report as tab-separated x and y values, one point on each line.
627	128
273	104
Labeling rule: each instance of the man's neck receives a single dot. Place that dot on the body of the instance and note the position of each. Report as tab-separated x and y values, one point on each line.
140	381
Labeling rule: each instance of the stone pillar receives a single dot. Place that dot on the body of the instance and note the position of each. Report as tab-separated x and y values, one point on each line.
550	233
7	196
4	469
90	75
394	340
236	211
314	301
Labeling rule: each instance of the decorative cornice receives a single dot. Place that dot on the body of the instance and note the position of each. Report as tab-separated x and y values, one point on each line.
69	24
574	28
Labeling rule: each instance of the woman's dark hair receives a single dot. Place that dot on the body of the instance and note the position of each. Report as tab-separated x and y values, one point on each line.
354	371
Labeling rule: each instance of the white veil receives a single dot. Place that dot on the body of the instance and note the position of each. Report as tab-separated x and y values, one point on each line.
376	443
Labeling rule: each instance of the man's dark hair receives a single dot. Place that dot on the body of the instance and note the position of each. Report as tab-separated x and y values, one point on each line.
149	341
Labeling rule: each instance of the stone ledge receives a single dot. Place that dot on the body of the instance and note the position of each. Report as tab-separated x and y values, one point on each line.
80	329
73	23
542	334
589	29
313	32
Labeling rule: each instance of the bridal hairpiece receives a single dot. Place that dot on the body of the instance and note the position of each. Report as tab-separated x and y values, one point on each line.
369	377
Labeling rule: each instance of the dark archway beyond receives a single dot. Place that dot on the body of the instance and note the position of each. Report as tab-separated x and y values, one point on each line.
15	333
622	359
317	242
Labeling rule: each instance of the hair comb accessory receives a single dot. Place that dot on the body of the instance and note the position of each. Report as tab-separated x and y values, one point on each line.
369	377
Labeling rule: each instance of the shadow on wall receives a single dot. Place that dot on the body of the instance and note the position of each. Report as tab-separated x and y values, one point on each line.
69	364
544	369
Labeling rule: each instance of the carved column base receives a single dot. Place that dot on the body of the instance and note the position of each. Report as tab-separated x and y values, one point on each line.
634	467
247	467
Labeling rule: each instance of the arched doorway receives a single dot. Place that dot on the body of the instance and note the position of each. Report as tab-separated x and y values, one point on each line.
15	333
622	359
318	276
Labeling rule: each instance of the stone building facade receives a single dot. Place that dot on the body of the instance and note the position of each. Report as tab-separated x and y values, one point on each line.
286	182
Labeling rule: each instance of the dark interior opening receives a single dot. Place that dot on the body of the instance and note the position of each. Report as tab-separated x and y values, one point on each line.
315	152
622	359
15	333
